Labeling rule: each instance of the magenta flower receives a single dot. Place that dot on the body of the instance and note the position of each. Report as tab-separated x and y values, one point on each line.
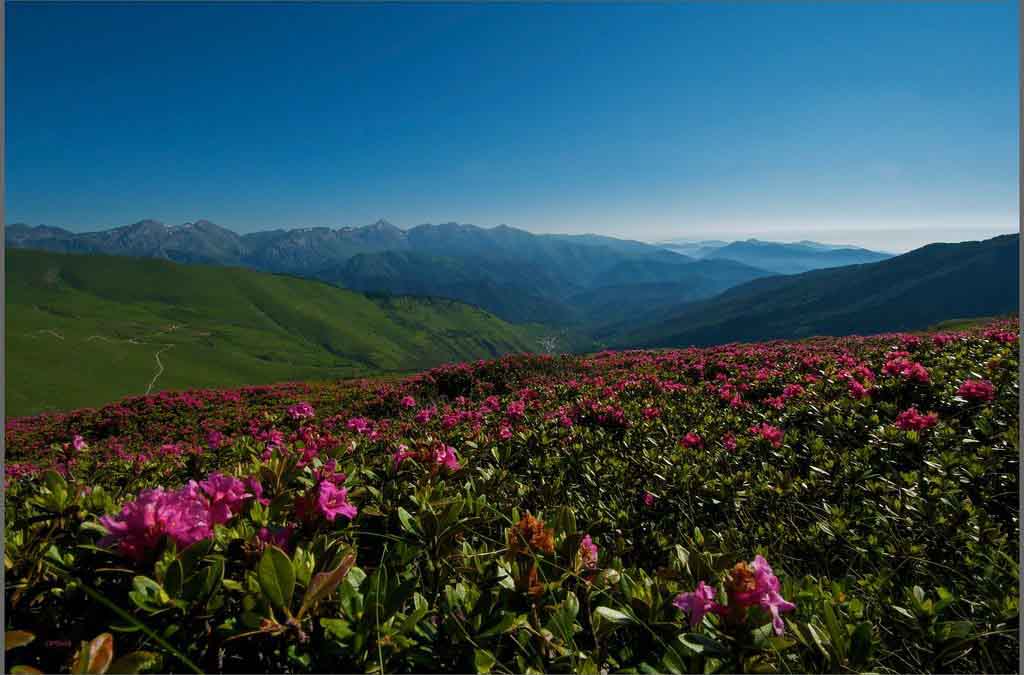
697	603
403	453
858	390
254	486
588	553
301	411
225	493
183	516
977	390
648	499
408	402
911	419
516	409
445	456
766	431
215	439
78	443
729	441
765	593
280	537
691	440
333	502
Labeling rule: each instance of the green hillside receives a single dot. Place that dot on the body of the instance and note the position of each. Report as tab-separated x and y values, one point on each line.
83	330
908	292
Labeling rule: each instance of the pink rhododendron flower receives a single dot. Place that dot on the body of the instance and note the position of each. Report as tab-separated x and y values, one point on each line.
183	516
768	432
253	485
691	440
408	402
729	441
403	453
225	495
910	370
648	499
858	390
588	553
697	603
280	537
333	502
911	419
765	591
977	390
214	439
301	411
445	456
505	433
78	443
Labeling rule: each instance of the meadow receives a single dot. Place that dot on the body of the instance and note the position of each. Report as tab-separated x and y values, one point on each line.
824	505
85	330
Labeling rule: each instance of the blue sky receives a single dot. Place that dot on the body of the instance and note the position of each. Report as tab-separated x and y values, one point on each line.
884	124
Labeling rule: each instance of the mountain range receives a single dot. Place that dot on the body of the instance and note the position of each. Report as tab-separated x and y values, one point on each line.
615	291
777	257
906	292
519	276
86	329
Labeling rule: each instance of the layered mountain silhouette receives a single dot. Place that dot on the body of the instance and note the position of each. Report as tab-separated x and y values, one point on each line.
517	275
777	257
622	292
906	292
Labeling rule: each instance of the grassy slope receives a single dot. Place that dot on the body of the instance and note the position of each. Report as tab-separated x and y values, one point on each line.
110	316
907	292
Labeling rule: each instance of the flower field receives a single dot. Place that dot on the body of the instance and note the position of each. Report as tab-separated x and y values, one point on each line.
829	505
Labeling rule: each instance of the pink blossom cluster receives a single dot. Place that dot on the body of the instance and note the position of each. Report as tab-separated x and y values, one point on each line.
301	411
768	432
898	364
977	390
185	516
911	419
750	585
588	553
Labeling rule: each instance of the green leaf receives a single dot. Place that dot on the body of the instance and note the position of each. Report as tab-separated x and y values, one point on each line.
339	629
861	645
696	644
953	630
507	623
17	638
136	662
276	576
174	578
612	615
323	584
95	656
483	660
408	523
148	594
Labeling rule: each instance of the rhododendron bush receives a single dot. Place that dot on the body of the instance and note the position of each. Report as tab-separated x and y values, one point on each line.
828	505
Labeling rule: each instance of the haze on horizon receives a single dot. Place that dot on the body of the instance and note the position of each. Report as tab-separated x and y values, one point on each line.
881	125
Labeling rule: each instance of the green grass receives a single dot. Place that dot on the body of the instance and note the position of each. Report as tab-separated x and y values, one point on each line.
83	330
967	323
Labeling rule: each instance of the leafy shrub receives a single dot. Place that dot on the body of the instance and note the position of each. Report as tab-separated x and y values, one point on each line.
827	505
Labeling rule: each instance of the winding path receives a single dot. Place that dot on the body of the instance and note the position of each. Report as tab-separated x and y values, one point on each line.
159	368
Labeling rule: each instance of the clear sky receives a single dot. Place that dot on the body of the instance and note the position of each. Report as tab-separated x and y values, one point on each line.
884	124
